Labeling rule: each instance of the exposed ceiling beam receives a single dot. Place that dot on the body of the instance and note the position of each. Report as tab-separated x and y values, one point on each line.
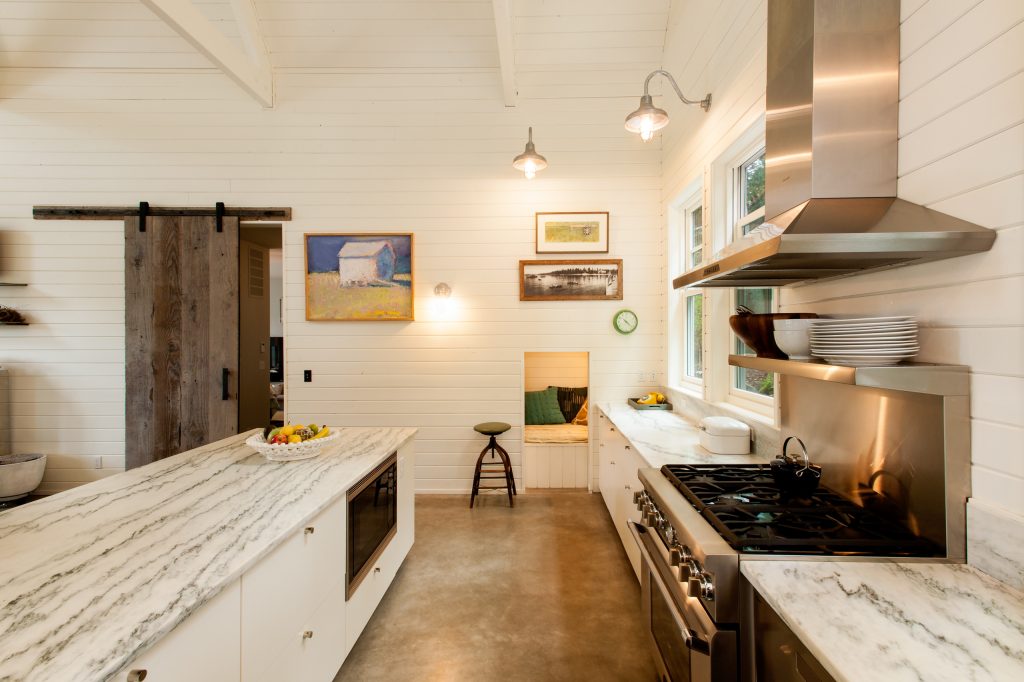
506	50
249	29
254	77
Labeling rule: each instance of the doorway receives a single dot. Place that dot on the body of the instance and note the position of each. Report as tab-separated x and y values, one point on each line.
556	441
260	327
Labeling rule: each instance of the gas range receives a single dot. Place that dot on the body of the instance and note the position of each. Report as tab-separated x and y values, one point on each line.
699	522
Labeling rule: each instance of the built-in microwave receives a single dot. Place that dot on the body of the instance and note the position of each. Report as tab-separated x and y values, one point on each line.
372	520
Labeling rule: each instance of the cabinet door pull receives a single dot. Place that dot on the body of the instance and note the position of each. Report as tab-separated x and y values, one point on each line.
308	530
308	634
612	462
376	569
628	448
137	675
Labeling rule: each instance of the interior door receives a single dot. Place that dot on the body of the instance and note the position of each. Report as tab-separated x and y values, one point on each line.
181	335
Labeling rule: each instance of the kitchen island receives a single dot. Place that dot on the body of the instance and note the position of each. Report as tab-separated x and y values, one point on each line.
93	577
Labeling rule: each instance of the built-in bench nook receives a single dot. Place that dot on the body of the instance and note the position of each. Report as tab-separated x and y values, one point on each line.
556	431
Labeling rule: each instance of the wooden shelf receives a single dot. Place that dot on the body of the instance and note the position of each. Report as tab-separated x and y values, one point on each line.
914	377
14	324
13	284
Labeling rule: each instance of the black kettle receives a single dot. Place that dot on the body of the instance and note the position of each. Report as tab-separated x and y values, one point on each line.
795	477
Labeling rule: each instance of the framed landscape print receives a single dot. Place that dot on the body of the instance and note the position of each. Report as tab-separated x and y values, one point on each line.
570	280
572	232
359	277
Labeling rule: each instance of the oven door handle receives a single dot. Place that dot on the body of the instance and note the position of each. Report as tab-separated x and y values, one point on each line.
692	640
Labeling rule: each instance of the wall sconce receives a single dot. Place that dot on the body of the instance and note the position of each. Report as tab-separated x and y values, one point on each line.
442	290
649	118
530	161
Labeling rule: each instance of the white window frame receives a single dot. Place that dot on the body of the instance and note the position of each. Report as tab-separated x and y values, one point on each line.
681	260
724	228
739	218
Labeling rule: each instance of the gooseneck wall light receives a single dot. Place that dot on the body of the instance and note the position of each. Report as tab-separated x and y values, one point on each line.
649	118
530	161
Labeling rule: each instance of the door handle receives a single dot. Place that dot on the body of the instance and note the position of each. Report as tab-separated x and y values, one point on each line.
224	384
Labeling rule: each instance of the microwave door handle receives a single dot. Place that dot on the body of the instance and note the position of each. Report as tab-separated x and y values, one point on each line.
690	637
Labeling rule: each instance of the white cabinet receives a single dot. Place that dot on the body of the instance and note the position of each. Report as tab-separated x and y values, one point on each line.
363	602
617	476
203	648
281	592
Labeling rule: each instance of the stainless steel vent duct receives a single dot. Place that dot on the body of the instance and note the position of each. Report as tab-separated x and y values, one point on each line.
831	141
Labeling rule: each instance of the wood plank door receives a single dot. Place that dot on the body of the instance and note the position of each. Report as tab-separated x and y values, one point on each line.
181	335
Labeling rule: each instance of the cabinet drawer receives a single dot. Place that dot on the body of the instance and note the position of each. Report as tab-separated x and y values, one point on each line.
283	590
315	650
203	648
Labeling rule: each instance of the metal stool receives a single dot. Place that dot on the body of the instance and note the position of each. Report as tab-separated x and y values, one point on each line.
491	469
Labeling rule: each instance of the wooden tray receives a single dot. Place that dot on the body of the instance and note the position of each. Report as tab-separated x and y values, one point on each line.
637	406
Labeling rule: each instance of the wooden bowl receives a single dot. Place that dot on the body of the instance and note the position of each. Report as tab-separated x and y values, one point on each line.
758	331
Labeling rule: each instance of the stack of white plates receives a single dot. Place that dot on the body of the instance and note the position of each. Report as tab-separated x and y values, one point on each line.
864	341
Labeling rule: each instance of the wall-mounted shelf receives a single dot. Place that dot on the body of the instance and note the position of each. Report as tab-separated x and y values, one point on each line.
915	377
13	284
14	324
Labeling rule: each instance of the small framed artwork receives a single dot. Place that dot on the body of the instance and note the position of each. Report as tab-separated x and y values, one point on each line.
570	280
359	277
572	232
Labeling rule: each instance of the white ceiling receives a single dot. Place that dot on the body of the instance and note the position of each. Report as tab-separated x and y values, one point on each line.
621	37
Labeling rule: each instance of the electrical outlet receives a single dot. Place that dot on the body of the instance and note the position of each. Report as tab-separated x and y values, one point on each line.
307	375
641	377
652	376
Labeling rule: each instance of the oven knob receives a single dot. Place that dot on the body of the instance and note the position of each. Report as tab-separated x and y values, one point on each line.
707	587
701	585
687	572
674	554
637	496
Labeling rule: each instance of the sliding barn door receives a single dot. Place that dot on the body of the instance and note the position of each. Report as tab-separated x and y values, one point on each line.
181	335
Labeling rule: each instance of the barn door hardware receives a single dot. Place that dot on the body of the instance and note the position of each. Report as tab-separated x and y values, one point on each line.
224	394
143	212
219	214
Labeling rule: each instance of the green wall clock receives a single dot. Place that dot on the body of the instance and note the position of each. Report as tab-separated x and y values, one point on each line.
625	321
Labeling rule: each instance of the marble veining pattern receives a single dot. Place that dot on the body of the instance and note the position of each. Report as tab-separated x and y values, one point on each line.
91	577
662	437
995	543
898	621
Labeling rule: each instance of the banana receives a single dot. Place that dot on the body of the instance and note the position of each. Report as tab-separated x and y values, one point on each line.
321	433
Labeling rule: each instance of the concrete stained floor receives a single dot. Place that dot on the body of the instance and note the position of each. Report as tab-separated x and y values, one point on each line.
540	592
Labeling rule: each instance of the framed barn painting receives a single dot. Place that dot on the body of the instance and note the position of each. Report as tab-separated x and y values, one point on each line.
572	233
359	277
570	280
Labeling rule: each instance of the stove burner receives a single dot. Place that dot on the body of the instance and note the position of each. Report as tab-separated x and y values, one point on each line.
743	503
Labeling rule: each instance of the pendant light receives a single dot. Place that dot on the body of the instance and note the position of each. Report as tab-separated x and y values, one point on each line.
530	161
649	118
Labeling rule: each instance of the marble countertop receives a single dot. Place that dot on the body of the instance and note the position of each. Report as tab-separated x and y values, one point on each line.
92	577
663	437
898	621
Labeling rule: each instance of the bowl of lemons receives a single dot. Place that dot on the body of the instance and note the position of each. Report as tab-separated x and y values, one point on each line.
292	442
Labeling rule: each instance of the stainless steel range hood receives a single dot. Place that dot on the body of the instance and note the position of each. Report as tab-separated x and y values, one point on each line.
831	141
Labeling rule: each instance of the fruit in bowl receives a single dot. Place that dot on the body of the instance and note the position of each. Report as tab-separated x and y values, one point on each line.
292	433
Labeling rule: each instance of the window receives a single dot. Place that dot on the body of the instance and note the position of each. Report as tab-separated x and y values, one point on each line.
748	193
695	237
687	235
749	380
694	348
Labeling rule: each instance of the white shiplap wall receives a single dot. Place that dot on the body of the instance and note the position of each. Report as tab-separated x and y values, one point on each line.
100	104
961	151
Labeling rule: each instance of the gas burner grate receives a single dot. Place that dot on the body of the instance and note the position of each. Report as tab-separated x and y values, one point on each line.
745	506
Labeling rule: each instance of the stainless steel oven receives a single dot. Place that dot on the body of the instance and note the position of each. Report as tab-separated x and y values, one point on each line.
688	644
372	520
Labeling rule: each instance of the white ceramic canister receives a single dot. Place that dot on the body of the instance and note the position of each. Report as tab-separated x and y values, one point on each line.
724	436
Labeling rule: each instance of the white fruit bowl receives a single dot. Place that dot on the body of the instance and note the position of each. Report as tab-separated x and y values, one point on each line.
290	452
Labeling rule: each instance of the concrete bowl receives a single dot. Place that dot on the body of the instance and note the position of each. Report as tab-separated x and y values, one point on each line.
20	475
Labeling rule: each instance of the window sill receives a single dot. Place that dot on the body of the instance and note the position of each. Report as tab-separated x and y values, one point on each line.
745	414
695	391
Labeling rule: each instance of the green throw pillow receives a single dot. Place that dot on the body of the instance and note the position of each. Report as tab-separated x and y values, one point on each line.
542	407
